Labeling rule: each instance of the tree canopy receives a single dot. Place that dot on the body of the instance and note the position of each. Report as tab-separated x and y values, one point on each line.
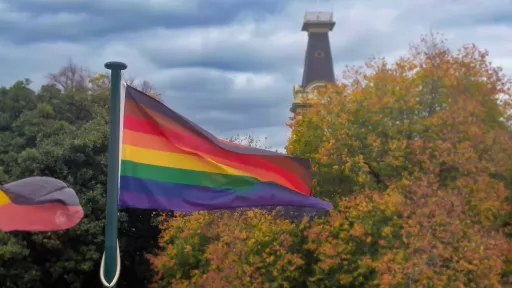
62	131
415	153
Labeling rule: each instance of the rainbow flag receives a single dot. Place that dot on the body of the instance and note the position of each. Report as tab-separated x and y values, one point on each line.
167	162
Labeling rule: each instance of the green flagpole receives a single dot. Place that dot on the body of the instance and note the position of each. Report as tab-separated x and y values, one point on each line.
111	267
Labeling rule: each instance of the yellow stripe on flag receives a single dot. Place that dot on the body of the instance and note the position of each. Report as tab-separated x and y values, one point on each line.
176	160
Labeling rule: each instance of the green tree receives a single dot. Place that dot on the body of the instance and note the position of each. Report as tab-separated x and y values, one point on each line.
62	131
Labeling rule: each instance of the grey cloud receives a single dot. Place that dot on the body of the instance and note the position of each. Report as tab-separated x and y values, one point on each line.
36	20
216	101
457	14
36	60
276	44
235	48
230	67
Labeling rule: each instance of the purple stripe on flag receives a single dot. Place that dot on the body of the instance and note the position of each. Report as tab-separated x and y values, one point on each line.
150	194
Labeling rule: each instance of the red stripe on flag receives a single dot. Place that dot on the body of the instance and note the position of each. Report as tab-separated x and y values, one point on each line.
191	143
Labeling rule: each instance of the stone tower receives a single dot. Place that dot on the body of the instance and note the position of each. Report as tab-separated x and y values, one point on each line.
318	65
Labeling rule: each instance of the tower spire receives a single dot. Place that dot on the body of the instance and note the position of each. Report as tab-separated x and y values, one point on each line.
318	64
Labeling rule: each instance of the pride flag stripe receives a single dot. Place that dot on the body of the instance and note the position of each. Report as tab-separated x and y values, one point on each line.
175	160
262	168
150	194
161	121
182	176
168	162
160	143
300	166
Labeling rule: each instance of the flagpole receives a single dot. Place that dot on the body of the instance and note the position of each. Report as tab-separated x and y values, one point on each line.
111	245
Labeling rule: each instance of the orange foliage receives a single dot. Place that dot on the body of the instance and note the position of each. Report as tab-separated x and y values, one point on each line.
416	154
228	249
433	129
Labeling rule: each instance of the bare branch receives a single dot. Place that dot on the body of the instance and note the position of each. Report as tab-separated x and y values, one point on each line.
144	86
70	76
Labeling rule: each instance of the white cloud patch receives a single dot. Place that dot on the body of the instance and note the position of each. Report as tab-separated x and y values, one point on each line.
251	81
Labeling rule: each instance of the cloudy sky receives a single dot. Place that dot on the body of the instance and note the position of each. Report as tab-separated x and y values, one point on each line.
230	64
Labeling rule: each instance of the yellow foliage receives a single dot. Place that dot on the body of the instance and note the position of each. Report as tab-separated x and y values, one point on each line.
416	155
429	130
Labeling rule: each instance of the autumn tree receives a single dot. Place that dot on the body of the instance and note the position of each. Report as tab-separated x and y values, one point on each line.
416	154
430	131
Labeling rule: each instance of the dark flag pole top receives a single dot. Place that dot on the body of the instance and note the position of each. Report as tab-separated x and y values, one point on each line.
110	264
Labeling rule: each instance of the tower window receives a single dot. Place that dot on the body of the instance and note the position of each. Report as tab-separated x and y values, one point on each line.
319	54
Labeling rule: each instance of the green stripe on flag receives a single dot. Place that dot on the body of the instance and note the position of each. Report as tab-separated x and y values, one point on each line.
182	176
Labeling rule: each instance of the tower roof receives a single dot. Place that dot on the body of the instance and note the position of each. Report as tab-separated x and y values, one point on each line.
318	19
